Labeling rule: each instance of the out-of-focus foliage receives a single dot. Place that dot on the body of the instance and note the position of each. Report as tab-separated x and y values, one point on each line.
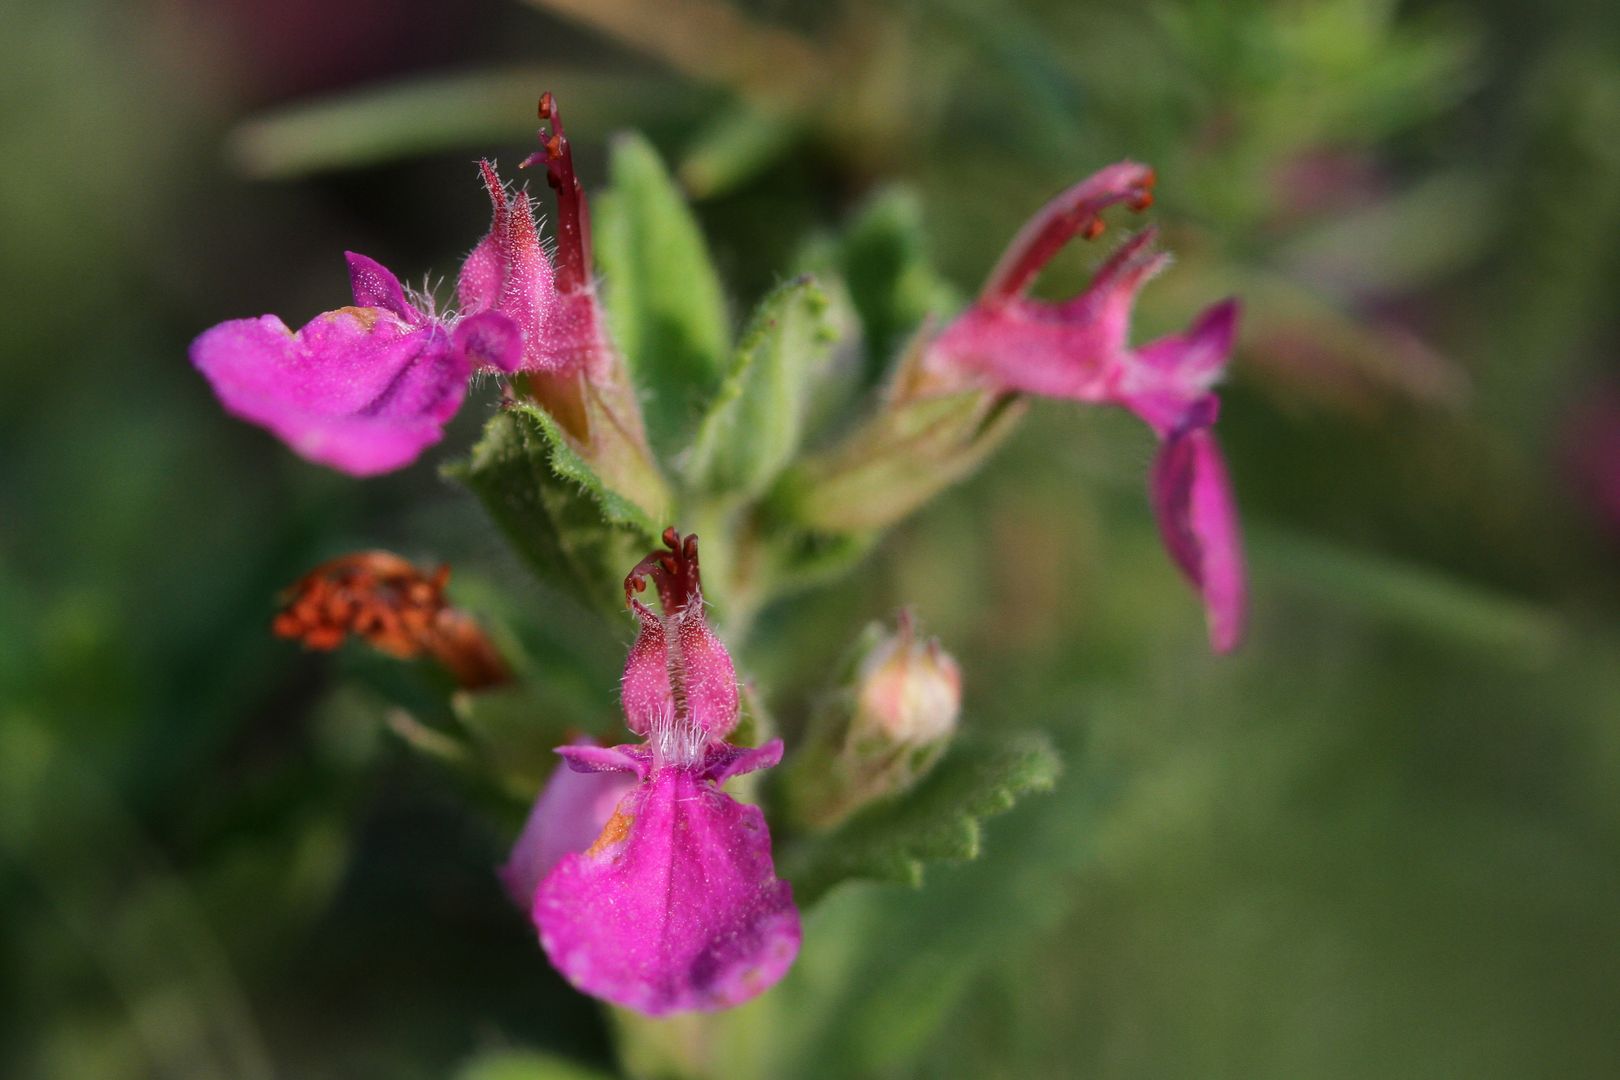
1382	840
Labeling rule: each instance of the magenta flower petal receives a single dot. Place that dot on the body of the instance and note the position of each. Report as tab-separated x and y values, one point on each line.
1169	379
358	388
567	816
1192	498
375	286
590	758
1072	213
1076	350
489	341
1080	350
703	682
676	907
726	761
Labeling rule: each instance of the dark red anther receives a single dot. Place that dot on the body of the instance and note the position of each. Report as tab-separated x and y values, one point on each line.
1075	212
675	572
573	216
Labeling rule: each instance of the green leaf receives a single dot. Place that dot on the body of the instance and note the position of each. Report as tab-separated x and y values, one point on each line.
756	421
732	149
662	294
414	117
883	258
1408	594
939	820
526	1065
566	524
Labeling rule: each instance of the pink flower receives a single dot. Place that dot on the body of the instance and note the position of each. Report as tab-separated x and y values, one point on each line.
676	906
364	389
1079	349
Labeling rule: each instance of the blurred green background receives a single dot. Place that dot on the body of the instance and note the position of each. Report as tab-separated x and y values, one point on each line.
1383	840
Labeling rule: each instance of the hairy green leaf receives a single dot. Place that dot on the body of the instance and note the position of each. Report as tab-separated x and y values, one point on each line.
941	820
566	524
756	421
662	294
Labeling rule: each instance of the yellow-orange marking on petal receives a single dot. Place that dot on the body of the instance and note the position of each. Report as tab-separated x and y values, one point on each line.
616	829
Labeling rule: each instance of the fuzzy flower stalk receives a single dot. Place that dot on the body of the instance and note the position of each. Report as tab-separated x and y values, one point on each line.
675	906
959	389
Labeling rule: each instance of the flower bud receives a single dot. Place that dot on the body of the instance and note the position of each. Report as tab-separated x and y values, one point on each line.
882	731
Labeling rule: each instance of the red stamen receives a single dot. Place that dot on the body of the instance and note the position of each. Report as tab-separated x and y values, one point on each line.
1075	212
573	215
675	573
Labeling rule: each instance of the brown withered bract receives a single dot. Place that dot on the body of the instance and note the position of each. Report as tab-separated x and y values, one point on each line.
393	606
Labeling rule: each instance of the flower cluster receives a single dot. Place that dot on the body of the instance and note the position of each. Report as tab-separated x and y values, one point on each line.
649	885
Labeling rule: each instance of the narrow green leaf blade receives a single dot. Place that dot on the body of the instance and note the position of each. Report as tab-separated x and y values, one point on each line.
480	111
660	287
735	147
883	257
756	421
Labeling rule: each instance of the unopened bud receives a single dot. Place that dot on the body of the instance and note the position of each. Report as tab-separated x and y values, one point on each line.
882	731
910	691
